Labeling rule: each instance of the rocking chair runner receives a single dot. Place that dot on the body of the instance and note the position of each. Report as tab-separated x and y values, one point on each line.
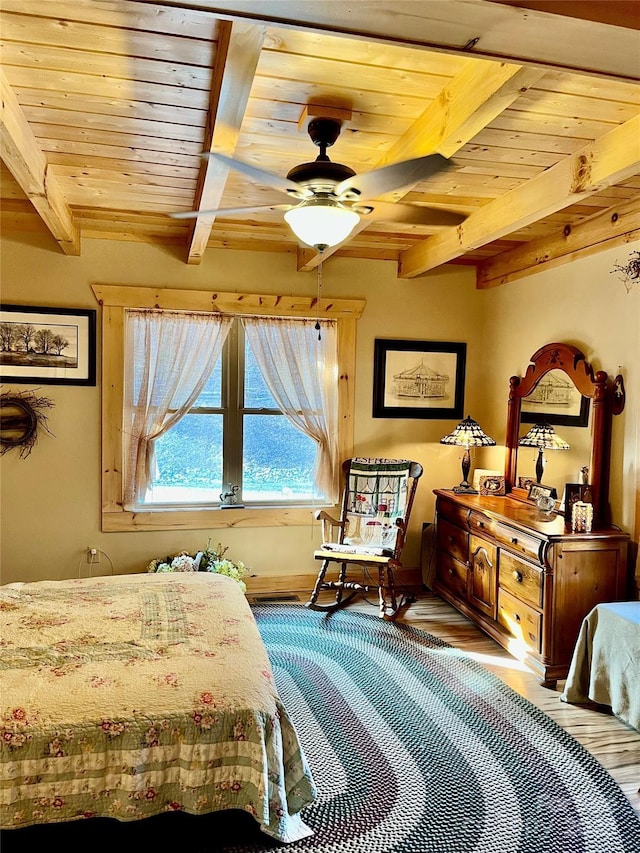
376	506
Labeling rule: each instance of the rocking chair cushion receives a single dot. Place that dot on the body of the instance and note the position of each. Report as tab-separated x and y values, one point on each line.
354	550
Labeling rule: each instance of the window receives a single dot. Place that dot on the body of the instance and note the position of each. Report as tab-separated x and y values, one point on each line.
233	430
234	434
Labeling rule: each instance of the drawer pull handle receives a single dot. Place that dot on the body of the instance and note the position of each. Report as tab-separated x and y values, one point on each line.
481	525
517	617
517	576
451	572
514	541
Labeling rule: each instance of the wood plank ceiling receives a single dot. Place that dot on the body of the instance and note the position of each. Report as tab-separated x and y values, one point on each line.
107	106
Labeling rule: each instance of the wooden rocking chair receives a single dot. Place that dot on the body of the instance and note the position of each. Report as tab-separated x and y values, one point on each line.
376	506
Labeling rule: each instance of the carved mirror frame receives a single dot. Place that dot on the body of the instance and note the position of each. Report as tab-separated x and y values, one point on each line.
595	385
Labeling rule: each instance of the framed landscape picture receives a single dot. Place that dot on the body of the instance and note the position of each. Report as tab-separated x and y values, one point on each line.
47	346
418	379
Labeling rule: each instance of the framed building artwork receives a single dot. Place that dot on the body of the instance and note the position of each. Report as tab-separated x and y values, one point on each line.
418	379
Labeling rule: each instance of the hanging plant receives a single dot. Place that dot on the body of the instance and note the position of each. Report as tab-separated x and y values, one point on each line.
21	413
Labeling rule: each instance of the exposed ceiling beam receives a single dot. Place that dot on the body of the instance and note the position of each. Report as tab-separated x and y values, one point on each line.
490	30
620	13
608	160
27	163
471	101
613	227
238	51
466	105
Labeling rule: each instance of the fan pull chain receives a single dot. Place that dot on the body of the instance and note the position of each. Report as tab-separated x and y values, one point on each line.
317	325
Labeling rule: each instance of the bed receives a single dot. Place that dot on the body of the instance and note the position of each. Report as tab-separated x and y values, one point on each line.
126	696
605	667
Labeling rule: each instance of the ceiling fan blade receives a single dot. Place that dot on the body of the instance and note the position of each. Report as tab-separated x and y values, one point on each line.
411	214
398	176
283	185
229	211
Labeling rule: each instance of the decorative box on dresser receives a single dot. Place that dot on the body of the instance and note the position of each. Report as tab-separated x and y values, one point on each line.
523	577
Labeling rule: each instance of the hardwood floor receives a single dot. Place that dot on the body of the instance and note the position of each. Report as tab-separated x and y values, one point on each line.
614	744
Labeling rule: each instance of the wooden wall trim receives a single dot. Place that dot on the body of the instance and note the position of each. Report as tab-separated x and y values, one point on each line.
112	405
195	519
223	302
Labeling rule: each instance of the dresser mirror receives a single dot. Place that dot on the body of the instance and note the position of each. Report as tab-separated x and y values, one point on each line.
560	466
561	389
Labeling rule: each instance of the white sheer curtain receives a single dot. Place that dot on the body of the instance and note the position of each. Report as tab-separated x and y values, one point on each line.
302	374
169	356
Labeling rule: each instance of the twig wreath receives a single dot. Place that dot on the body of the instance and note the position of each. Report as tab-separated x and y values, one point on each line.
629	273
21	413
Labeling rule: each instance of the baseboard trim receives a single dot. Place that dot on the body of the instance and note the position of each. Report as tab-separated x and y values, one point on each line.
258	584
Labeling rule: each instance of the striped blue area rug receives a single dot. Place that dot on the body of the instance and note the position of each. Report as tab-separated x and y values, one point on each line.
417	749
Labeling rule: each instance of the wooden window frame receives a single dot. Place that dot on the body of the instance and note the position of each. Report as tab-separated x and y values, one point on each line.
115	300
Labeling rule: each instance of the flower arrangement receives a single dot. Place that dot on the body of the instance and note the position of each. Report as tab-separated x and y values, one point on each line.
209	560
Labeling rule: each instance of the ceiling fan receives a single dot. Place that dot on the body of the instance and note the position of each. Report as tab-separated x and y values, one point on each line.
329	198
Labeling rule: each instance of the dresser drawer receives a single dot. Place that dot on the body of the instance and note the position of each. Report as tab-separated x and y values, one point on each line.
521	579
452	574
516	540
481	523
522	543
452	512
453	540
521	621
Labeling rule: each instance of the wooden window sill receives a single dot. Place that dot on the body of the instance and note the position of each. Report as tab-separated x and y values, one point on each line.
196	519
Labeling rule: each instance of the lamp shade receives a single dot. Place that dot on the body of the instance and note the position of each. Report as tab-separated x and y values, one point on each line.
468	433
321	222
543	436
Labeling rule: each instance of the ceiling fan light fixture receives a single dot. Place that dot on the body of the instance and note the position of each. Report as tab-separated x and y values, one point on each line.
321	222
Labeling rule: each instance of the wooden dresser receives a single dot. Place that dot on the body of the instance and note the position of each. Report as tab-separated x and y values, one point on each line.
523	577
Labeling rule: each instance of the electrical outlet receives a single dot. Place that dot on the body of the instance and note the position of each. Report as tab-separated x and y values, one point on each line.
93	556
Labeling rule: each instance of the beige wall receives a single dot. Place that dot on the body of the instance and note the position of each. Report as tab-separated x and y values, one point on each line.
51	500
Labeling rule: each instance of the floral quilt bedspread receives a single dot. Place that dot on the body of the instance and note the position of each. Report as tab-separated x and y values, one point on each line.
126	696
